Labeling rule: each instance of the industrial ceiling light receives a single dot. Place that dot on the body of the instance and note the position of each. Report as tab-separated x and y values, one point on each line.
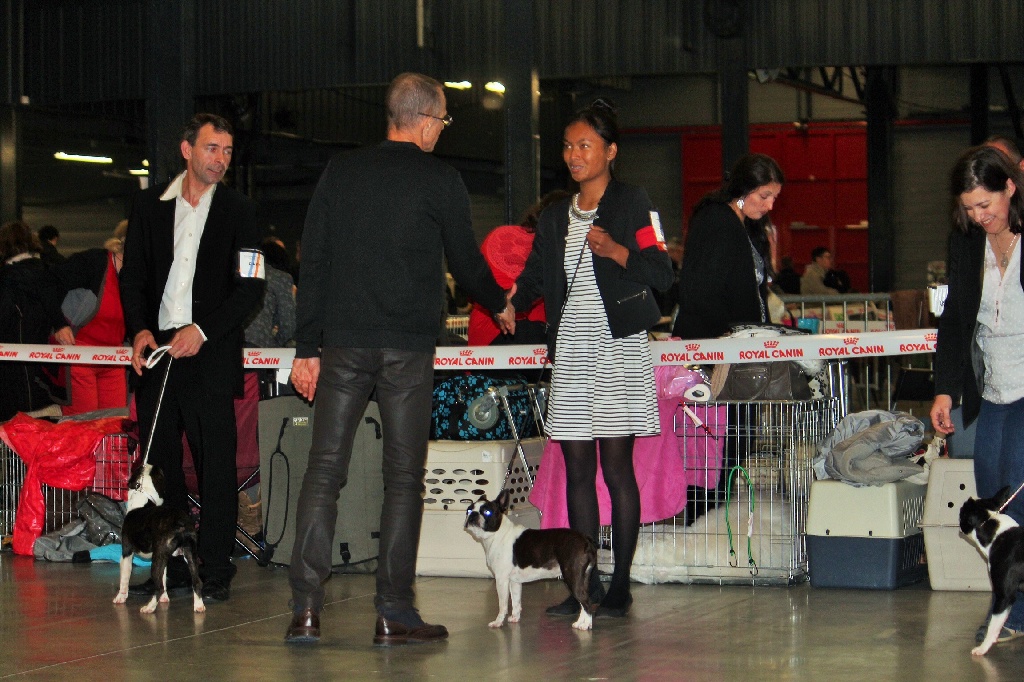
63	156
458	85
495	86
138	171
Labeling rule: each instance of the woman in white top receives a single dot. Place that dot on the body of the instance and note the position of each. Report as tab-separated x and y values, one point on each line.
980	351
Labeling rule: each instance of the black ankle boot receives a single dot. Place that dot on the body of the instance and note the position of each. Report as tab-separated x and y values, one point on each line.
615	604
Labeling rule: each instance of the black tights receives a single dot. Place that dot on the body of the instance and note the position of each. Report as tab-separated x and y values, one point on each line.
581	496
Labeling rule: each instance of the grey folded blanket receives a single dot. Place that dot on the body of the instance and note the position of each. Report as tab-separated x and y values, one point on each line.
871	448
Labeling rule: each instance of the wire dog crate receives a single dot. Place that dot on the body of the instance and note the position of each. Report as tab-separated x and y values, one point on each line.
748	525
115	456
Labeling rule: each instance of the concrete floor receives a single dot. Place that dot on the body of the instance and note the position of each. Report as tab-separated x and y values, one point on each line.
57	622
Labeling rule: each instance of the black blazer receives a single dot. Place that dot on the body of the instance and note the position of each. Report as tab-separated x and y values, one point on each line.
717	287
959	366
625	213
221	300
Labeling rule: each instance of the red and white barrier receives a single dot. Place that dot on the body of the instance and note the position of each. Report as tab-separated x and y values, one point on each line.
704	351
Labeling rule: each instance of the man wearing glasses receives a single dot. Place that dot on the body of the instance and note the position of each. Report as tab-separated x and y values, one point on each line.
379	224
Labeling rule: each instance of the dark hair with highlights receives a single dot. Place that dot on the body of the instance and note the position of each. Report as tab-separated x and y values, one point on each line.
988	168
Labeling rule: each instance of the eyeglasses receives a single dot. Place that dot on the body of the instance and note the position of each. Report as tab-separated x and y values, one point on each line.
446	120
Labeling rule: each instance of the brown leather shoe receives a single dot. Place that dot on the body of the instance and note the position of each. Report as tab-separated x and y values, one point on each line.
391	632
305	627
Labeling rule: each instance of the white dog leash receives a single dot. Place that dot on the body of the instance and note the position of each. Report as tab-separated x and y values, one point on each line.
151	362
1010	499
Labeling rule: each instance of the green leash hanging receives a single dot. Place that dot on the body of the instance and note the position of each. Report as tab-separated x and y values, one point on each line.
733	561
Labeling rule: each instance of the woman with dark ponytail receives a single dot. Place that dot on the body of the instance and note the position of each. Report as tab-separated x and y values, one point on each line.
726	266
595	259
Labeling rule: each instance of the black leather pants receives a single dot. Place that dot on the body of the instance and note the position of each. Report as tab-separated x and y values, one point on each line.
404	383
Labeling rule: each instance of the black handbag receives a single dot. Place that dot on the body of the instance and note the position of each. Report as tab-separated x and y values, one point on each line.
781	380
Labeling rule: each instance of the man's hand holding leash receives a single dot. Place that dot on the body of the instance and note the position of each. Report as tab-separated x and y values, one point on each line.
143	340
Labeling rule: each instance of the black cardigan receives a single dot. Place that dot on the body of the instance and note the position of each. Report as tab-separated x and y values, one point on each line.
624	211
717	287
959	366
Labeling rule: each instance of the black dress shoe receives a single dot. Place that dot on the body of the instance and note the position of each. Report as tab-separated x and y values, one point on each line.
175	587
216	589
413	631
304	628
569	607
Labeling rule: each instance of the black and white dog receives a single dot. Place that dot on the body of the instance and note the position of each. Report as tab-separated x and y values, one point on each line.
150	529
1001	541
516	555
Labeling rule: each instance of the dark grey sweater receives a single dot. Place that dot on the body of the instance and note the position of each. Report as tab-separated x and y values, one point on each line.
379	224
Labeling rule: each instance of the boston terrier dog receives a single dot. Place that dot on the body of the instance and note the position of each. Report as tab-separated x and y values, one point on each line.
152	529
516	555
1001	542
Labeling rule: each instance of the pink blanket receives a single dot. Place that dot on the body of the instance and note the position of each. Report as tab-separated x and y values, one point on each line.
665	465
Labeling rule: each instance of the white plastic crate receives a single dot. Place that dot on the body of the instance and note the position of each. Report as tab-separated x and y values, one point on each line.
893	510
446	549
865	537
953	562
459	472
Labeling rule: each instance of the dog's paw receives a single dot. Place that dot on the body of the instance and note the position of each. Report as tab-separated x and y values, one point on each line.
584	622
121	598
199	608
514	618
980	650
496	623
149	607
164	599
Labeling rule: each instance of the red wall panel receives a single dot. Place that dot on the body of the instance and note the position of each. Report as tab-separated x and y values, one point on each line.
825	165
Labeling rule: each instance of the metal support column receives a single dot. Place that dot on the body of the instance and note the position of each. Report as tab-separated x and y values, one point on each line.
170	82
979	103
880	97
10	198
522	106
734	84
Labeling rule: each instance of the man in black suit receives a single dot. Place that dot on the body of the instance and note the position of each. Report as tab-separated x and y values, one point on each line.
191	278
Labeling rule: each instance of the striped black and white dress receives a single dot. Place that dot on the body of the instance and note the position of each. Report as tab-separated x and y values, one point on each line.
600	387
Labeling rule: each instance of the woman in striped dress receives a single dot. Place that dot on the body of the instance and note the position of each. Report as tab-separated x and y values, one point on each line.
595	258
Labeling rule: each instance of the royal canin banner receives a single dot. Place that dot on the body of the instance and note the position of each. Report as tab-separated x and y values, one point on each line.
703	352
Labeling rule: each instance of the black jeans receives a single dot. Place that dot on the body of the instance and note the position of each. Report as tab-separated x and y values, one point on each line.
208	421
404	383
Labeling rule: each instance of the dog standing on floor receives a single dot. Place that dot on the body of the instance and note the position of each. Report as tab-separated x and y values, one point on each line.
516	555
1001	541
151	529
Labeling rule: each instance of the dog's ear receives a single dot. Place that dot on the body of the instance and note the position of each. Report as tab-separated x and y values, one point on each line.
504	497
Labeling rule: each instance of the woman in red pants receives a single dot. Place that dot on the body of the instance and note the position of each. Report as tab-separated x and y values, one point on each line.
96	320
